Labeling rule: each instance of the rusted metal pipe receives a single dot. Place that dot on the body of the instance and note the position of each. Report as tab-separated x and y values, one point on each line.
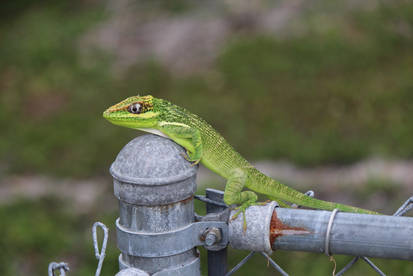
350	234
307	230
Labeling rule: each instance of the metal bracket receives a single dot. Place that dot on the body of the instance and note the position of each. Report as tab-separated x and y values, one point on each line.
218	216
144	244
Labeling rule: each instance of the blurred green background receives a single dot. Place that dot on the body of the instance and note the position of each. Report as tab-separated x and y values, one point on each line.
308	83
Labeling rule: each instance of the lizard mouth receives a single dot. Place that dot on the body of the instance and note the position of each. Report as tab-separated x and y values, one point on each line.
106	114
135	121
110	116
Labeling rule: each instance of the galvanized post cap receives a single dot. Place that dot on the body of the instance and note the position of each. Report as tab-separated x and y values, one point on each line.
152	170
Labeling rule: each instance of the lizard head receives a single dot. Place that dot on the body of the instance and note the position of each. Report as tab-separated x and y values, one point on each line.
133	112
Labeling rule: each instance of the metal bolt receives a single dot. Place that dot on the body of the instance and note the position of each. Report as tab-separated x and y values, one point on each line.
212	236
210	239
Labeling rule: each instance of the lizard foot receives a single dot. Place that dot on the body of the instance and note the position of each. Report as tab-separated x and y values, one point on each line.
242	208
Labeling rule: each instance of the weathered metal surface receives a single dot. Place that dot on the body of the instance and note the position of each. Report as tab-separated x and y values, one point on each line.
155	187
278	228
151	160
184	268
150	244
132	272
257	235
191	268
155	264
152	163
351	234
153	218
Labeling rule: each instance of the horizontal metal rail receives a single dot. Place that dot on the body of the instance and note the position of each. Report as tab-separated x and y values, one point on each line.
351	234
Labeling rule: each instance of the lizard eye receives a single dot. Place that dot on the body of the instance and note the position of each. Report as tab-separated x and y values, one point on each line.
135	108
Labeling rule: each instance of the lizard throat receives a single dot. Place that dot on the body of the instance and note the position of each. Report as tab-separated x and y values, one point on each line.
154	131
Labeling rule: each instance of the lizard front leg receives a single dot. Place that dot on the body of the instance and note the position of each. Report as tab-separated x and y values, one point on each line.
234	195
186	136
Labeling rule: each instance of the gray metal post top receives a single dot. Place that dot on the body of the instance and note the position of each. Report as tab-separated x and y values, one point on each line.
151	160
148	162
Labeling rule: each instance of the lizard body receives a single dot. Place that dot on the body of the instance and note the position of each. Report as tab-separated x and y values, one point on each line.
204	144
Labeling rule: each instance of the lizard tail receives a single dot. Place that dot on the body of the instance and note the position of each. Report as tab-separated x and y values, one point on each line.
279	191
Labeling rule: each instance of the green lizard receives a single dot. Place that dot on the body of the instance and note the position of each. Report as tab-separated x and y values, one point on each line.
204	144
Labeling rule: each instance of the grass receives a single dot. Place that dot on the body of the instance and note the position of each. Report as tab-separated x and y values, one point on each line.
328	96
37	232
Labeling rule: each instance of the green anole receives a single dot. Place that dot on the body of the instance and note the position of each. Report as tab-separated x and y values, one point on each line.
204	144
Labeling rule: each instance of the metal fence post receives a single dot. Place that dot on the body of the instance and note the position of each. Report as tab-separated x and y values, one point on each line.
155	187
217	260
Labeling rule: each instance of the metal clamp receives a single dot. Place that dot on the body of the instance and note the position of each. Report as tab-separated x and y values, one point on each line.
191	268
169	243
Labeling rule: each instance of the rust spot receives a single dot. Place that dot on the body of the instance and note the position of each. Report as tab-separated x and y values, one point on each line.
183	201
186	200
278	228
166	207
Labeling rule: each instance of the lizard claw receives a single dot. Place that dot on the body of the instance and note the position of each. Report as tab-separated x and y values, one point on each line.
187	158
185	155
196	162
242	209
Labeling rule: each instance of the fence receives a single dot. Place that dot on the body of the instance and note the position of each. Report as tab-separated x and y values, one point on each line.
158	230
